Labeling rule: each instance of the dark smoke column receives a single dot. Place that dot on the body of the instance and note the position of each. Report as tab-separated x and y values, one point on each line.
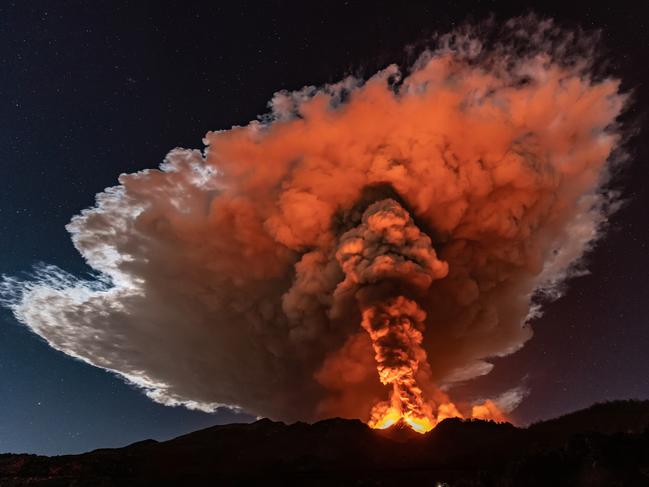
388	261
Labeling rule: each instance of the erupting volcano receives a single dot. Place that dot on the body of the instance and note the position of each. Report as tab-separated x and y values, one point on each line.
388	262
360	250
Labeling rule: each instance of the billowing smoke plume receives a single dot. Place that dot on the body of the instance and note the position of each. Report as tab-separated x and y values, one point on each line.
383	258
366	240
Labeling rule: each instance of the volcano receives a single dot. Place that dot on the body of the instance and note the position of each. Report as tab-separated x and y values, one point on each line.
606	444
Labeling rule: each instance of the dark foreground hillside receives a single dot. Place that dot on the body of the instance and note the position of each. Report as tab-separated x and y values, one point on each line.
607	445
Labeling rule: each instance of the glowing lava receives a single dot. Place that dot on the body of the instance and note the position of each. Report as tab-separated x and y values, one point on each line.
392	416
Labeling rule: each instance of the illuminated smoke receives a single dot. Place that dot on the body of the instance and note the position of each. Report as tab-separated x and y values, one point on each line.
429	209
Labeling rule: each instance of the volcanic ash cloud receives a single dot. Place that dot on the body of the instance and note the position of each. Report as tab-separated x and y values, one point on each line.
356	251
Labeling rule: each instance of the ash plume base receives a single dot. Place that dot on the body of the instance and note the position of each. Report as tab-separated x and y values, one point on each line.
369	238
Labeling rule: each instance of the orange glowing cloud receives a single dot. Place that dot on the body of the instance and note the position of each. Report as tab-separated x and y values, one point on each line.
370	239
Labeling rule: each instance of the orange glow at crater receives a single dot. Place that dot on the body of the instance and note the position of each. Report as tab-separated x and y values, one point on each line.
383	418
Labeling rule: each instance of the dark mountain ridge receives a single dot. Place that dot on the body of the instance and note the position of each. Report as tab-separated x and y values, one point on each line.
606	444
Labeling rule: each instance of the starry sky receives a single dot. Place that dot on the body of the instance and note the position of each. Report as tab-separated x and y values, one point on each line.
90	90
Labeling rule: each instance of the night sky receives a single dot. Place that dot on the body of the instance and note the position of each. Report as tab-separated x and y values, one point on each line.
92	90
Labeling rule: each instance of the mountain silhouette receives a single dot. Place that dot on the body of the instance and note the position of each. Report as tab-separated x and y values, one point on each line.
606	444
